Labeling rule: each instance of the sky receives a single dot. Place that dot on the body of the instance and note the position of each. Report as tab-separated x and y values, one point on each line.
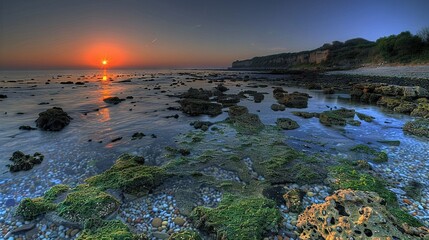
41	34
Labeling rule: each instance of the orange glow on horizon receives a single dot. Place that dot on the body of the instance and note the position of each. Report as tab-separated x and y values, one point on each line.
104	62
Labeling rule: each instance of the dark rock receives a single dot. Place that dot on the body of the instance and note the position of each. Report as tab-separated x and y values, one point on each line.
235	111
113	100
116	139
10	202
228	100
3	96
306	114
278	107
195	107
53	119
328	91
137	135
294	100
419	127
23	228
22	162
197	94
274	193
203	125
27	128
221	88
67	82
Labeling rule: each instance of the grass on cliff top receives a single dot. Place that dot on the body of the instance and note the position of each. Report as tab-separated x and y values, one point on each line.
239	218
352	177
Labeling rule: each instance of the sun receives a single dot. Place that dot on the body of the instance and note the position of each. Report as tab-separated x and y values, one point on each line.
104	62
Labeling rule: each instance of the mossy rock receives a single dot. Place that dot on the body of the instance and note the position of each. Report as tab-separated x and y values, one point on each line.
422	110
347	176
243	121
419	127
185	235
239	218
96	229
336	117
84	202
128	174
305	114
364	117
54	192
389	102
29	208
373	155
287	123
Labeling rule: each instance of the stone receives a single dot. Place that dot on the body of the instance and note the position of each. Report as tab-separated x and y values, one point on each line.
287	123
157	222
278	107
294	100
293	200
113	100
160	235
195	107
53	119
74	232
179	221
23	162
27	128
419	127
23	228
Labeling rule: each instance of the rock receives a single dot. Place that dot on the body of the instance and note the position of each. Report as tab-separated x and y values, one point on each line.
221	88
179	221
74	232
364	117
389	102
22	162
422	110
194	93
419	127
278	107
23	228
287	123
336	117
156	222
203	125
405	107
236	111
244	121
228	100
27	128
160	235
328	91
306	114
113	100
274	193
349	214
293	200
294	100
195	107
137	135
53	119
3	96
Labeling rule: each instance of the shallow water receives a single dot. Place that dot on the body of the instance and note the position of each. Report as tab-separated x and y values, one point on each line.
70	157
419	72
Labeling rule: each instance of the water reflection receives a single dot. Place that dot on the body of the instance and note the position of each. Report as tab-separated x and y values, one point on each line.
105	92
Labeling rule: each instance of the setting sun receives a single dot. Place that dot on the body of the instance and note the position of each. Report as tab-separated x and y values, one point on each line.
104	62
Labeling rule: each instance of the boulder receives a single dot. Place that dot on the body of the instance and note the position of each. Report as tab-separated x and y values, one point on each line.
22	162
336	117
3	96
277	107
53	119
195	107
306	114
287	123
228	100
349	214
405	107
294	100
422	110
197	94
244	121
221	88
113	100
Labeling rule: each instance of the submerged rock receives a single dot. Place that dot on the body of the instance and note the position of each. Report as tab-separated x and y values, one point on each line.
336	117
53	119
113	100
22	162
278	107
3	96
27	128
287	123
306	114
195	107
349	214
203	125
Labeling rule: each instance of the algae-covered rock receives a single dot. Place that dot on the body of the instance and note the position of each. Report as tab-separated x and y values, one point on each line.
53	119
371	153
349	214
129	175
23	162
84	202
306	114
419	127
244	121
96	229
389	102
336	117
238	218
287	123
185	235
294	100
405	107
422	110
364	117
29	208
278	107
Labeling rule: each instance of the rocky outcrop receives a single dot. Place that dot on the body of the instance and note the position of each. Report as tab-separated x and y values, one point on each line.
284	60
338	117
293	100
244	121
53	119
22	162
349	214
197	101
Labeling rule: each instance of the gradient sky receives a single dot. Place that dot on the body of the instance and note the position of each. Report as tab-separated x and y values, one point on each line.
187	33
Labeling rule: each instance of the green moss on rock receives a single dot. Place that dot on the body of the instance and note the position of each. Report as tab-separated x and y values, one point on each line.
364	117
29	208
185	235
55	191
419	127
336	117
239	219
375	156
84	202
129	175
96	229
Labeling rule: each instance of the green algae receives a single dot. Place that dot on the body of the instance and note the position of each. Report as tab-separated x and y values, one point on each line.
96	229
185	235
375	156
347	176
364	117
419	127
336	117
129	175
55	191
29	208
239	218
84	202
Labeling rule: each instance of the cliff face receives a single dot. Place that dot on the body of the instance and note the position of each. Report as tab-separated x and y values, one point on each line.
284	60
